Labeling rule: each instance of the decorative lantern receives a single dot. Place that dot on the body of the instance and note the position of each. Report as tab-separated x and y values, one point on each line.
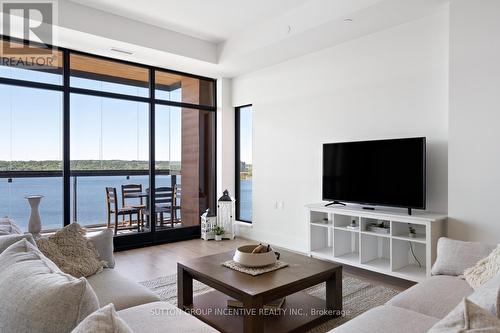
226	214
208	222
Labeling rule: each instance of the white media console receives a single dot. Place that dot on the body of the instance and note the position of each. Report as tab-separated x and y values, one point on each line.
393	253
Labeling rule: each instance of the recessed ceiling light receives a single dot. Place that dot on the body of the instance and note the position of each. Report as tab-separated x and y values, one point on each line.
121	51
348	20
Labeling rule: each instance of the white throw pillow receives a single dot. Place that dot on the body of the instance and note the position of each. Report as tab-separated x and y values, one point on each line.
7	226
467	317
488	296
484	270
8	240
35	296
104	320
454	257
103	243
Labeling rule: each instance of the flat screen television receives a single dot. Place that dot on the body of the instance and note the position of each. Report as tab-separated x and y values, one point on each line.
376	173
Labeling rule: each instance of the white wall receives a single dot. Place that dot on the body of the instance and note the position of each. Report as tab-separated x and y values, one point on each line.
474	144
225	138
390	84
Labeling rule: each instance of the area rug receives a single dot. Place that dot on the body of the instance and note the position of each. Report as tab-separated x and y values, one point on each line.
358	296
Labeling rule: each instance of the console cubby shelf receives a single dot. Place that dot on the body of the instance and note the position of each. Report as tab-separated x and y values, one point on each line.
393	253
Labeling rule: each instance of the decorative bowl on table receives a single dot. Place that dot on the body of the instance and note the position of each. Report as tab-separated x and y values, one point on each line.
244	256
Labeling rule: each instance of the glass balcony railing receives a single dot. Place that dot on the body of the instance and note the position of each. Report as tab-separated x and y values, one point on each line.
88	197
13	203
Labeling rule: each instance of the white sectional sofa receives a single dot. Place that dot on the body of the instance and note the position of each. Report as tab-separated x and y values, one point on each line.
141	309
415	310
420	307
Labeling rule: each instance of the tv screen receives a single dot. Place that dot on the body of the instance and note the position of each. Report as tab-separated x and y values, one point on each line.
382	172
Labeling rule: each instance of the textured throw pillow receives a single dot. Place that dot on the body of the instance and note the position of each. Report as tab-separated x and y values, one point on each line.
467	317
104	320
7	227
8	240
484	270
488	296
103	243
35	296
454	257
71	251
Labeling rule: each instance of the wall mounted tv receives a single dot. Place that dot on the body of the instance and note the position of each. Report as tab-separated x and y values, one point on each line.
376	173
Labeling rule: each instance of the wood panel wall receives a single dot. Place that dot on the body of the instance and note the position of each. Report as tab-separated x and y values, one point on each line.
190	156
198	153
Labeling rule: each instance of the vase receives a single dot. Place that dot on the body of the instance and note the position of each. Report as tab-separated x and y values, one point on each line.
218	238
35	224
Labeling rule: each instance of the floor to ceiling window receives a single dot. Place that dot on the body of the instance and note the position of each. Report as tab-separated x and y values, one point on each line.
244	165
90	135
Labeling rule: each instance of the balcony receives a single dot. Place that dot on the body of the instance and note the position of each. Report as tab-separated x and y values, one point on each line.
88	198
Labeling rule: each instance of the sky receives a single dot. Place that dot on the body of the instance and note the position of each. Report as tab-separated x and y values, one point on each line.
101	128
246	134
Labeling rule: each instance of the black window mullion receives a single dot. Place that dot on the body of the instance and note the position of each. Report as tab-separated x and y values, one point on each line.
237	162
97	93
152	157
66	141
186	105
30	84
214	200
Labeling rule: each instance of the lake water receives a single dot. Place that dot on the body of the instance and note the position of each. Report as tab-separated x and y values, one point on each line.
91	198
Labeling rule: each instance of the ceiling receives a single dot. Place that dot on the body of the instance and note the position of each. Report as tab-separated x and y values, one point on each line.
225	38
210	20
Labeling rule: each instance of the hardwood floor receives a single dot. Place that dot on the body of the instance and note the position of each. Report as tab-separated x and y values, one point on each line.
155	261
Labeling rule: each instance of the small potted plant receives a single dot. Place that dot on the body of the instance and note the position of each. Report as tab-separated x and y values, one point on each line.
412	232
218	232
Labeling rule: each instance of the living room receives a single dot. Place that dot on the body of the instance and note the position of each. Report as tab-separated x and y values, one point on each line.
356	140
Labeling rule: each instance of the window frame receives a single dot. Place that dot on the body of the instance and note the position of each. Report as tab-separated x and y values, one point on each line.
139	239
237	164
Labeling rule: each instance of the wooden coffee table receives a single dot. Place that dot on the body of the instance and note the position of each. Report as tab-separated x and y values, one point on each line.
300	311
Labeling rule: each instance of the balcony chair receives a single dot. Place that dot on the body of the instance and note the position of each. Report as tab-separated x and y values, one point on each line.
112	209
133	197
177	203
163	204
